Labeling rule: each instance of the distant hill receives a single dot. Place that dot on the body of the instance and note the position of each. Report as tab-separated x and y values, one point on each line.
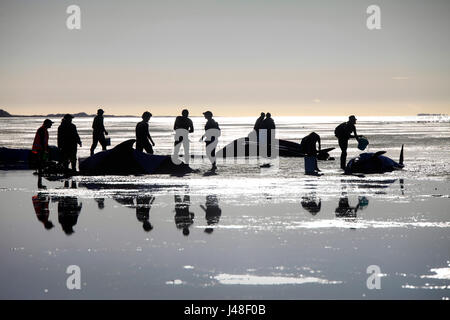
3	113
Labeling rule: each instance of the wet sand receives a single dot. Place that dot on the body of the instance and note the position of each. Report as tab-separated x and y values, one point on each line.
260	238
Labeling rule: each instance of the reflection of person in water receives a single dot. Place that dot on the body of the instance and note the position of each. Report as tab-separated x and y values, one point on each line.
183	217
68	212
212	212
40	204
311	203
143	205
346	211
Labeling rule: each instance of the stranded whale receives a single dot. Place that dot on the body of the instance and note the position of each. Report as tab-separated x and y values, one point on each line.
246	147
373	163
124	160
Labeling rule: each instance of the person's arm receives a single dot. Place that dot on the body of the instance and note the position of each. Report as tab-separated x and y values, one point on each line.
318	140
78	138
354	132
103	126
191	126
150	137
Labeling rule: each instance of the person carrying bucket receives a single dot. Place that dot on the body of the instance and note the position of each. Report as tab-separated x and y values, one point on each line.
344	132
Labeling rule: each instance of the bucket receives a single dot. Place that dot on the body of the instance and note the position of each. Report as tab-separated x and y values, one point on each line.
362	143
108	141
310	164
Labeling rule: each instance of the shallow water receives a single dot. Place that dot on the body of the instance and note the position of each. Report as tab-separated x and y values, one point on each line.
267	234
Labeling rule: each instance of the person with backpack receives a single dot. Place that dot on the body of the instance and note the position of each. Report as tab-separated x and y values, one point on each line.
344	132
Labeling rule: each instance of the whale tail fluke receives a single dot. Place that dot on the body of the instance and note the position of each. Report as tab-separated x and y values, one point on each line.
401	157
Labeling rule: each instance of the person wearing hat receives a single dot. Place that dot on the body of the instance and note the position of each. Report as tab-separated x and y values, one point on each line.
344	132
68	139
143	135
184	123
99	132
212	133
40	144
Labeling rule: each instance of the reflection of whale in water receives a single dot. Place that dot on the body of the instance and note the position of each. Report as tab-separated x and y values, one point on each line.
241	148
124	160
373	163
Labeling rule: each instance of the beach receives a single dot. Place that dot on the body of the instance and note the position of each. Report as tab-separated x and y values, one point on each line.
253	232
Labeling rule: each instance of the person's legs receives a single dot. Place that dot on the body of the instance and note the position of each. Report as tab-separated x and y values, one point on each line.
148	148
139	146
211	145
73	159
102	140
343	144
94	143
187	155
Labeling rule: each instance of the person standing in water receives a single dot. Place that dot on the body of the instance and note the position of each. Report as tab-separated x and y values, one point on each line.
344	132
181	136
269	125
212	133
259	122
40	149
99	132
40	143
143	135
68	139
308	146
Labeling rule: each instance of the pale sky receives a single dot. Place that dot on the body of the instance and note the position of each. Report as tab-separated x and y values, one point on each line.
236	58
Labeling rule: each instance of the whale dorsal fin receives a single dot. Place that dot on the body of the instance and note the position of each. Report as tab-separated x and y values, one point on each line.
400	161
379	153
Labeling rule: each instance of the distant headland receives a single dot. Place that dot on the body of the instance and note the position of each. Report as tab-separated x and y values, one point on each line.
4	114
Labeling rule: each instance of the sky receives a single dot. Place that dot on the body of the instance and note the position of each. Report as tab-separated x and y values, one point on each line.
235	58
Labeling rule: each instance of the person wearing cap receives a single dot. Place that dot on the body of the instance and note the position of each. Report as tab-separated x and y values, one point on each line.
143	135
68	139
212	133
40	144
344	132
99	132
181	136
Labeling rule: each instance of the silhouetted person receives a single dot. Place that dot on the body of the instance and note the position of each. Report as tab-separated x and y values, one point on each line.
143	205
99	131
258	123
68	211
143	135
269	125
40	150
212	212
68	139
182	122
308	146
40	204
183	217
100	203
311	204
212	131
344	132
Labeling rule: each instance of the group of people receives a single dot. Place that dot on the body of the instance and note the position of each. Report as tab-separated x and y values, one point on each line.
69	139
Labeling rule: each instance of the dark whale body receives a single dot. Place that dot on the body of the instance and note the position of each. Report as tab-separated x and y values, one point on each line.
124	160
373	163
285	149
